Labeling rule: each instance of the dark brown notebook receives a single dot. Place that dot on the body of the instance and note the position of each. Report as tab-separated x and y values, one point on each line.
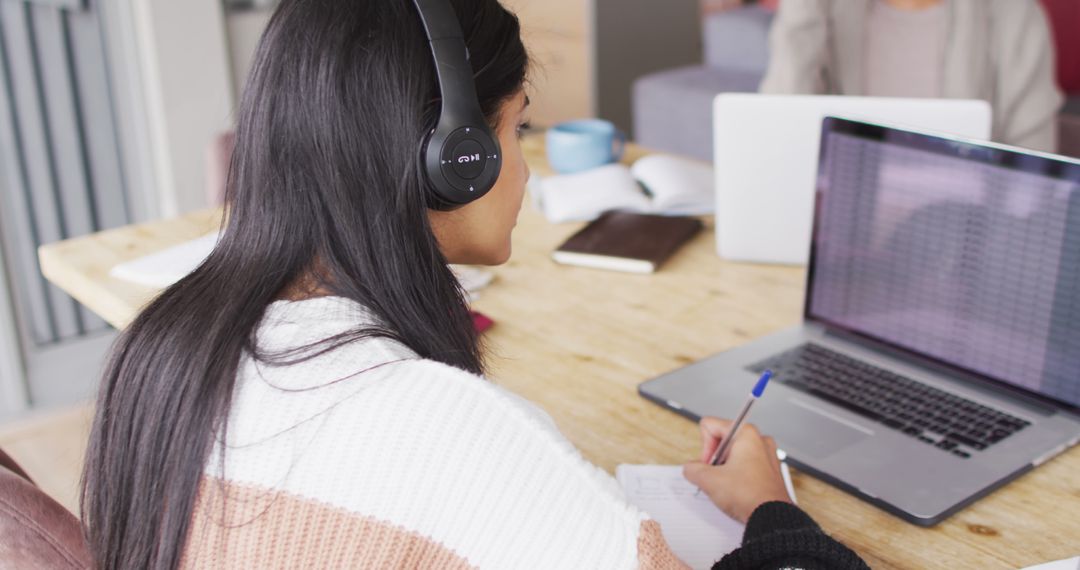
625	241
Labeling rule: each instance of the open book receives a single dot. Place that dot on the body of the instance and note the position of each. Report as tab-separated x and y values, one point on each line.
654	184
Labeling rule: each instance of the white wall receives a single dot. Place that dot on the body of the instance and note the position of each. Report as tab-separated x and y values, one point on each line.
244	28
188	89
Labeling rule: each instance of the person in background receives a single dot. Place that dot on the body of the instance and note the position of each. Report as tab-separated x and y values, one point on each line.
995	50
312	396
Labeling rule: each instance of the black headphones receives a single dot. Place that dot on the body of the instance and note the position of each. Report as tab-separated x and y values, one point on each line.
461	155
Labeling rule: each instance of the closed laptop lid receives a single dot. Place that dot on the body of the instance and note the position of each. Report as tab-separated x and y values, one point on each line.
766	156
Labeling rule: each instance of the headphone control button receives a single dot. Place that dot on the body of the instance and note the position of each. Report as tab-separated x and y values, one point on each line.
468	159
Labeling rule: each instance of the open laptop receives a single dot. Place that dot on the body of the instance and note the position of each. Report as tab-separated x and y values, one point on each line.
939	355
763	212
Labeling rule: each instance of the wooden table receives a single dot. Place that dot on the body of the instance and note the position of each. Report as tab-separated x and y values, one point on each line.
578	342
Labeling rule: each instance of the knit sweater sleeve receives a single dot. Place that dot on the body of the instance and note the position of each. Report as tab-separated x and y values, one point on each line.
780	535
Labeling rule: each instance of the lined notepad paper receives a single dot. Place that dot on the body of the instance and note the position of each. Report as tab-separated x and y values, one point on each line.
698	532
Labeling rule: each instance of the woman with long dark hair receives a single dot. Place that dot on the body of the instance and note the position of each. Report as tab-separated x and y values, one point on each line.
311	396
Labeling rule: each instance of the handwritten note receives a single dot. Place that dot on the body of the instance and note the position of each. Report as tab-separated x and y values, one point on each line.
698	532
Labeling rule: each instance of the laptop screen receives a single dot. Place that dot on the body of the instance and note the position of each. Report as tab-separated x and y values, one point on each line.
959	252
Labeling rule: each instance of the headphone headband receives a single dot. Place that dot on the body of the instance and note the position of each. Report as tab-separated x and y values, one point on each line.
461	155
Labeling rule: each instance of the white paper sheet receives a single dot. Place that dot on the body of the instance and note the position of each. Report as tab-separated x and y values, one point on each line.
1067	564
163	268
697	532
167	266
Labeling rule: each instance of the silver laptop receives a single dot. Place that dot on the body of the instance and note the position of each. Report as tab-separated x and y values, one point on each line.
939	354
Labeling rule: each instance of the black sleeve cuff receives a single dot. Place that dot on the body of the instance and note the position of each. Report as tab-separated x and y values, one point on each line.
777	516
780	535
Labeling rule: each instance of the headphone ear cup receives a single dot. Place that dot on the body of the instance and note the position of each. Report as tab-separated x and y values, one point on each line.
462	165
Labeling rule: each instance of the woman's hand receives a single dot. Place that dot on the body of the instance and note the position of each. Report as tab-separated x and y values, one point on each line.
749	477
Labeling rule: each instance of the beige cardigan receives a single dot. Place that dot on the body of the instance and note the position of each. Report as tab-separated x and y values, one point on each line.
996	50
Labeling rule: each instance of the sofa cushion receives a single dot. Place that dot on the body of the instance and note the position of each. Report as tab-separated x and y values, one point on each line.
738	39
673	108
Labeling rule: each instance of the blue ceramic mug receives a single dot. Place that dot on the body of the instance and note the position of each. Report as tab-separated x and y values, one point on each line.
574	146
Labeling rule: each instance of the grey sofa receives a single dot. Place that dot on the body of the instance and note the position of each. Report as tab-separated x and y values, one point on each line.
673	108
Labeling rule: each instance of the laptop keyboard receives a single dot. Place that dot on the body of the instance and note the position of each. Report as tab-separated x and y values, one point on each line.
935	417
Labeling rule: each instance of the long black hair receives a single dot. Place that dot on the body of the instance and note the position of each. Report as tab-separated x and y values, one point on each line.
325	187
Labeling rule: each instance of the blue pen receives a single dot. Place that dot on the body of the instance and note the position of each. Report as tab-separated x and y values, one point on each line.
720	456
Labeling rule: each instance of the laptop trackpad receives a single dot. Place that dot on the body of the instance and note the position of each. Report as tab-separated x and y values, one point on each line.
806	430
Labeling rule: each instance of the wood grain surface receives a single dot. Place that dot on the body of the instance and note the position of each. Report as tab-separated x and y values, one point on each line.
578	341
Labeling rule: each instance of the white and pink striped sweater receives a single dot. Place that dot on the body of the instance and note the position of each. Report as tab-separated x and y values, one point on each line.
412	464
